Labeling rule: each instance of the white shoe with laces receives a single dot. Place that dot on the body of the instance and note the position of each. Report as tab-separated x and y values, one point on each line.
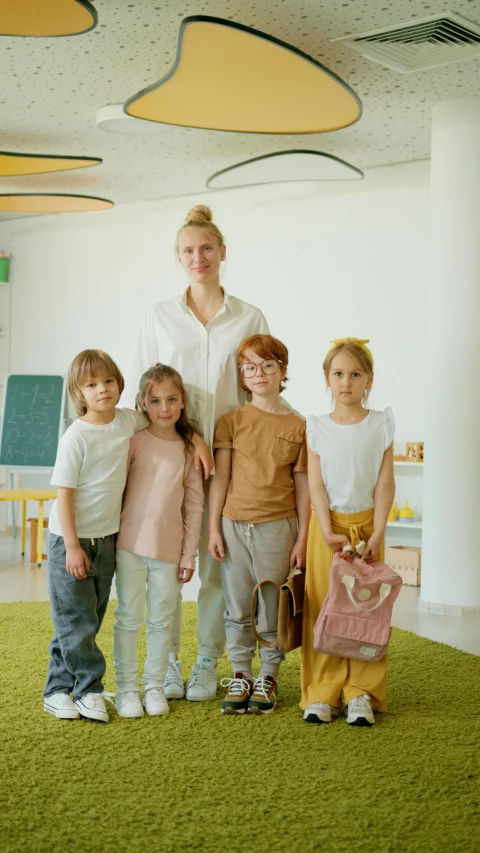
320	712
61	706
92	706
202	684
359	711
173	685
155	702
128	704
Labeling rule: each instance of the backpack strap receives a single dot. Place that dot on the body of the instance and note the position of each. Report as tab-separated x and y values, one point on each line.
385	590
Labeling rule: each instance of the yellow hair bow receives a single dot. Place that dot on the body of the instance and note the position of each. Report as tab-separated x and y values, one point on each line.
359	342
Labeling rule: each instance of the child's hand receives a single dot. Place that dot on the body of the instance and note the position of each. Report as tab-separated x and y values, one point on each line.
216	547
202	455
185	575
336	541
77	562
372	547
299	554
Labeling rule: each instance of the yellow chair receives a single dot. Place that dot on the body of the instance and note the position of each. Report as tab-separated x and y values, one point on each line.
25	495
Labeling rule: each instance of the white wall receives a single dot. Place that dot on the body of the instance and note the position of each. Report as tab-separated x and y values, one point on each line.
321	261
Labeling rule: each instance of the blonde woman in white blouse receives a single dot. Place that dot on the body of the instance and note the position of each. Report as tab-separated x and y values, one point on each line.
198	333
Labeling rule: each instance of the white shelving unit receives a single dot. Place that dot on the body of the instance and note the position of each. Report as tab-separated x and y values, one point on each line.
408	486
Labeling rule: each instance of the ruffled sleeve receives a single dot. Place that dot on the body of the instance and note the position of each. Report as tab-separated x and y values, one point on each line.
388	426
312	437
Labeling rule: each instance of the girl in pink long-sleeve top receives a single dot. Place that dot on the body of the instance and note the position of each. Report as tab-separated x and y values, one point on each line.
158	538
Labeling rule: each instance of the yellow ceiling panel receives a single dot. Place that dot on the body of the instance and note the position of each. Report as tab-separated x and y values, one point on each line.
12	164
46	17
51	203
230	77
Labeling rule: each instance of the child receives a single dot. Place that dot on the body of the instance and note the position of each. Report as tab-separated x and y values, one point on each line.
158	539
260	490
350	475
90	473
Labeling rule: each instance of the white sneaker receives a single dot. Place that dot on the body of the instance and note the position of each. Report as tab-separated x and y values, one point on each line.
320	712
202	683
359	711
173	685
155	703
92	705
61	706
128	704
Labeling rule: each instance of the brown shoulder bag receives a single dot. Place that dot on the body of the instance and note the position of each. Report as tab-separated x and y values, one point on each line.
290	611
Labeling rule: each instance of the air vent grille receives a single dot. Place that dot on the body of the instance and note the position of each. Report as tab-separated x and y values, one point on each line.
429	43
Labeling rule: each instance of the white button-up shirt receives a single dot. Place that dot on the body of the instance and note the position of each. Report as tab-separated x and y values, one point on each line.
205	356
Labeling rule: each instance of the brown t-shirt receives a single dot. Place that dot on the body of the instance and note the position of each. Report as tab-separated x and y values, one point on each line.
267	449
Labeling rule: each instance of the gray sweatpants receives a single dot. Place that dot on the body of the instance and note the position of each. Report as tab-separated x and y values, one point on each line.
253	553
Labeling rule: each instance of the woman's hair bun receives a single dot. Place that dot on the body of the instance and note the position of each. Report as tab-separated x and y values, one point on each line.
199	213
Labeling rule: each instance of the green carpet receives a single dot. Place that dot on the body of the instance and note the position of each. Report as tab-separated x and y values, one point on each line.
198	781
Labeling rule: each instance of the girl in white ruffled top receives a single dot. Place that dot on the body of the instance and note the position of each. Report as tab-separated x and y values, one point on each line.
350	475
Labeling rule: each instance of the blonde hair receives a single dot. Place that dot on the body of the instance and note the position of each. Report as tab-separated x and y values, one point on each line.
159	373
201	216
86	365
265	346
360	354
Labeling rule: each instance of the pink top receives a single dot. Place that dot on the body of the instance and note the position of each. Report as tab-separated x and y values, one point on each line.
162	503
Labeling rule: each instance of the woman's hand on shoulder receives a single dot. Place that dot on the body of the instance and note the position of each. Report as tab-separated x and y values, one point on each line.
336	541
202	455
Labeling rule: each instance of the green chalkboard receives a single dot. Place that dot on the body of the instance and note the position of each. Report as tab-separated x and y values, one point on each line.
32	420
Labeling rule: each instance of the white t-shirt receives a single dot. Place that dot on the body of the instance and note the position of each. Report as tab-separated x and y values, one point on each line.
92	459
351	456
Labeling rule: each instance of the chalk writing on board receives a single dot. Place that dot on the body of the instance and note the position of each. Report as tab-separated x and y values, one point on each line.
32	419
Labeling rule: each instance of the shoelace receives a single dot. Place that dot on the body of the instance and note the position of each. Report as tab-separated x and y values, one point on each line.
201	676
155	693
130	696
236	686
362	703
173	674
261	687
110	697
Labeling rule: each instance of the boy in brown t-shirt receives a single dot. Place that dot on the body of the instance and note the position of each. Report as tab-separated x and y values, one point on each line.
259	505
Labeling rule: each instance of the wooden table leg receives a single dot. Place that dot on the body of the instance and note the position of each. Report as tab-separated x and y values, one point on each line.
40	535
24	526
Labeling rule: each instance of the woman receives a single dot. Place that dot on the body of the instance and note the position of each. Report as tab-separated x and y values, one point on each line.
198	334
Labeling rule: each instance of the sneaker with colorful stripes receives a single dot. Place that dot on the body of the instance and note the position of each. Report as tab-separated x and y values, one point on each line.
238	693
264	695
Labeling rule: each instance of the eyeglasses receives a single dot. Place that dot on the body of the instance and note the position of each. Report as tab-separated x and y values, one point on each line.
268	367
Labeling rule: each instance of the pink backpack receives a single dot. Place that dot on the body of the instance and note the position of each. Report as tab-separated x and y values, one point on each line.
354	621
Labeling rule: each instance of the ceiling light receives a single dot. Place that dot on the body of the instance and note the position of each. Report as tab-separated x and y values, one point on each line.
114	120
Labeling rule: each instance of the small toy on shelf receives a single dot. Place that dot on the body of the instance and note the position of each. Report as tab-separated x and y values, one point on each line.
406	515
393	516
414	451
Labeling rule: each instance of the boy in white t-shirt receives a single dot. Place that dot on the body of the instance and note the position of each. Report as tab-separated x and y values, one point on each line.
90	473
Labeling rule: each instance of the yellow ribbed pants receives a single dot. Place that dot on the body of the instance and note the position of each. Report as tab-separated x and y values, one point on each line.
325	677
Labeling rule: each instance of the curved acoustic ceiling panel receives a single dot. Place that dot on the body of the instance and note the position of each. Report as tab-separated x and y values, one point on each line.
46	17
230	77
51	203
283	166
36	164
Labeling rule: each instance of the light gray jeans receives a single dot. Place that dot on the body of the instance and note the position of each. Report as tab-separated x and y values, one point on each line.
254	552
140	581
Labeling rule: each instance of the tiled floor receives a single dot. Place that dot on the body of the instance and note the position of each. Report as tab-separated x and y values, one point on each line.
19	581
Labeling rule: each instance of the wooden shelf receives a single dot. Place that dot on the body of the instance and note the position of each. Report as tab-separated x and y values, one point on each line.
409	525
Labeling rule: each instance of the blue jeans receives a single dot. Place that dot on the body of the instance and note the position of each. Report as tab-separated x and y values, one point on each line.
77	607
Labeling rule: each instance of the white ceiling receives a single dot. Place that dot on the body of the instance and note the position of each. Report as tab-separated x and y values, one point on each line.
51	89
